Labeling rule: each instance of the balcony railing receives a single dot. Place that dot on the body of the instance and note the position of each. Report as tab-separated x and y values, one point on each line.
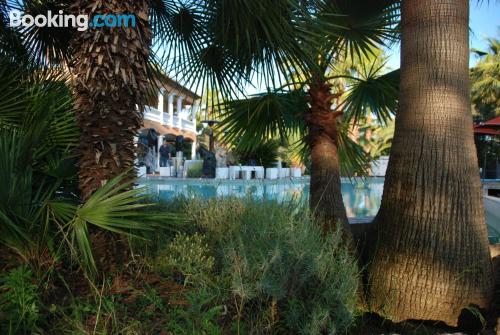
166	119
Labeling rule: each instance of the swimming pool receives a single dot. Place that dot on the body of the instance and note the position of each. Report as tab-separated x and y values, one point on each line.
361	196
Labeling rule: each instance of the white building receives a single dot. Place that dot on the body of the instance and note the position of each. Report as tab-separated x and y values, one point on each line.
172	113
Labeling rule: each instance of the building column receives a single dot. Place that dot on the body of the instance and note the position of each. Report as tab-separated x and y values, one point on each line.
161	103
194	112
160	142
179	104
179	110
171	108
193	149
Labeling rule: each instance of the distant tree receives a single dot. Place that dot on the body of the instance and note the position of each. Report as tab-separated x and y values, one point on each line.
375	138
485	80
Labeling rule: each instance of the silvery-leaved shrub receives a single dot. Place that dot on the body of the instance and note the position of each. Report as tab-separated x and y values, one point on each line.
215	215
187	255
283	272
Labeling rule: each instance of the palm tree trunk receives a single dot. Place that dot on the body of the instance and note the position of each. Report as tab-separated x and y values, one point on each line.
432	257
110	80
325	190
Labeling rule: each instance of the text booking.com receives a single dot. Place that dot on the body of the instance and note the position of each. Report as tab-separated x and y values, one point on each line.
80	22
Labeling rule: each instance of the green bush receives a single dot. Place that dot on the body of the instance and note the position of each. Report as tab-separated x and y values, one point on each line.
189	255
283	273
215	215
201	317
19	302
195	170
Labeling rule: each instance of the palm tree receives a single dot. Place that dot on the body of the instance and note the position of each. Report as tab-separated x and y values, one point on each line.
432	258
485	77
313	107
110	67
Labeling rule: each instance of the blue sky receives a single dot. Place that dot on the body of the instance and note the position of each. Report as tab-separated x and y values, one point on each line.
484	22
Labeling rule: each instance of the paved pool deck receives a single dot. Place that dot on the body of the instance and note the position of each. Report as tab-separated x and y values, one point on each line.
361	220
490	185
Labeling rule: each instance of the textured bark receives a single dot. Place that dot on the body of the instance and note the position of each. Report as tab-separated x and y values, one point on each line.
325	190
432	256
110	79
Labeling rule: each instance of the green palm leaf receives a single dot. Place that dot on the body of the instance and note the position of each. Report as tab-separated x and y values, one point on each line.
485	76
43	45
116	208
262	117
251	122
356	27
372	93
353	159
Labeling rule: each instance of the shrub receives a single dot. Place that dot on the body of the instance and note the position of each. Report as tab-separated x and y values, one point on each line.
19	301
195	170
199	318
149	302
189	255
283	272
215	215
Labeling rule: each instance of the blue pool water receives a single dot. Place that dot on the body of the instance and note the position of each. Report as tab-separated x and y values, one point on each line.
361	197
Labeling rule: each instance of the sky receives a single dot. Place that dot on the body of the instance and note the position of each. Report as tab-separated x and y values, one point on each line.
484	22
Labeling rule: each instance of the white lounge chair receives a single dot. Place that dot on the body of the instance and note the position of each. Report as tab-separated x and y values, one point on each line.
284	173
165	171
272	173
246	174
295	172
234	172
222	173
259	172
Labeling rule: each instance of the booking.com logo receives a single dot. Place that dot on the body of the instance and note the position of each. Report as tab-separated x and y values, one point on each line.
61	20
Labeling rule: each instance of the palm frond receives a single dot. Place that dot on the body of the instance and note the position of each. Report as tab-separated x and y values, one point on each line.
16	190
353	159
485	76
185	48
265	36
356	26
273	115
372	93
221	45
117	208
44	45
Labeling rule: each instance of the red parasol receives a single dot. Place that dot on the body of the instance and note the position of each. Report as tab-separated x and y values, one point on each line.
493	122
490	127
486	131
